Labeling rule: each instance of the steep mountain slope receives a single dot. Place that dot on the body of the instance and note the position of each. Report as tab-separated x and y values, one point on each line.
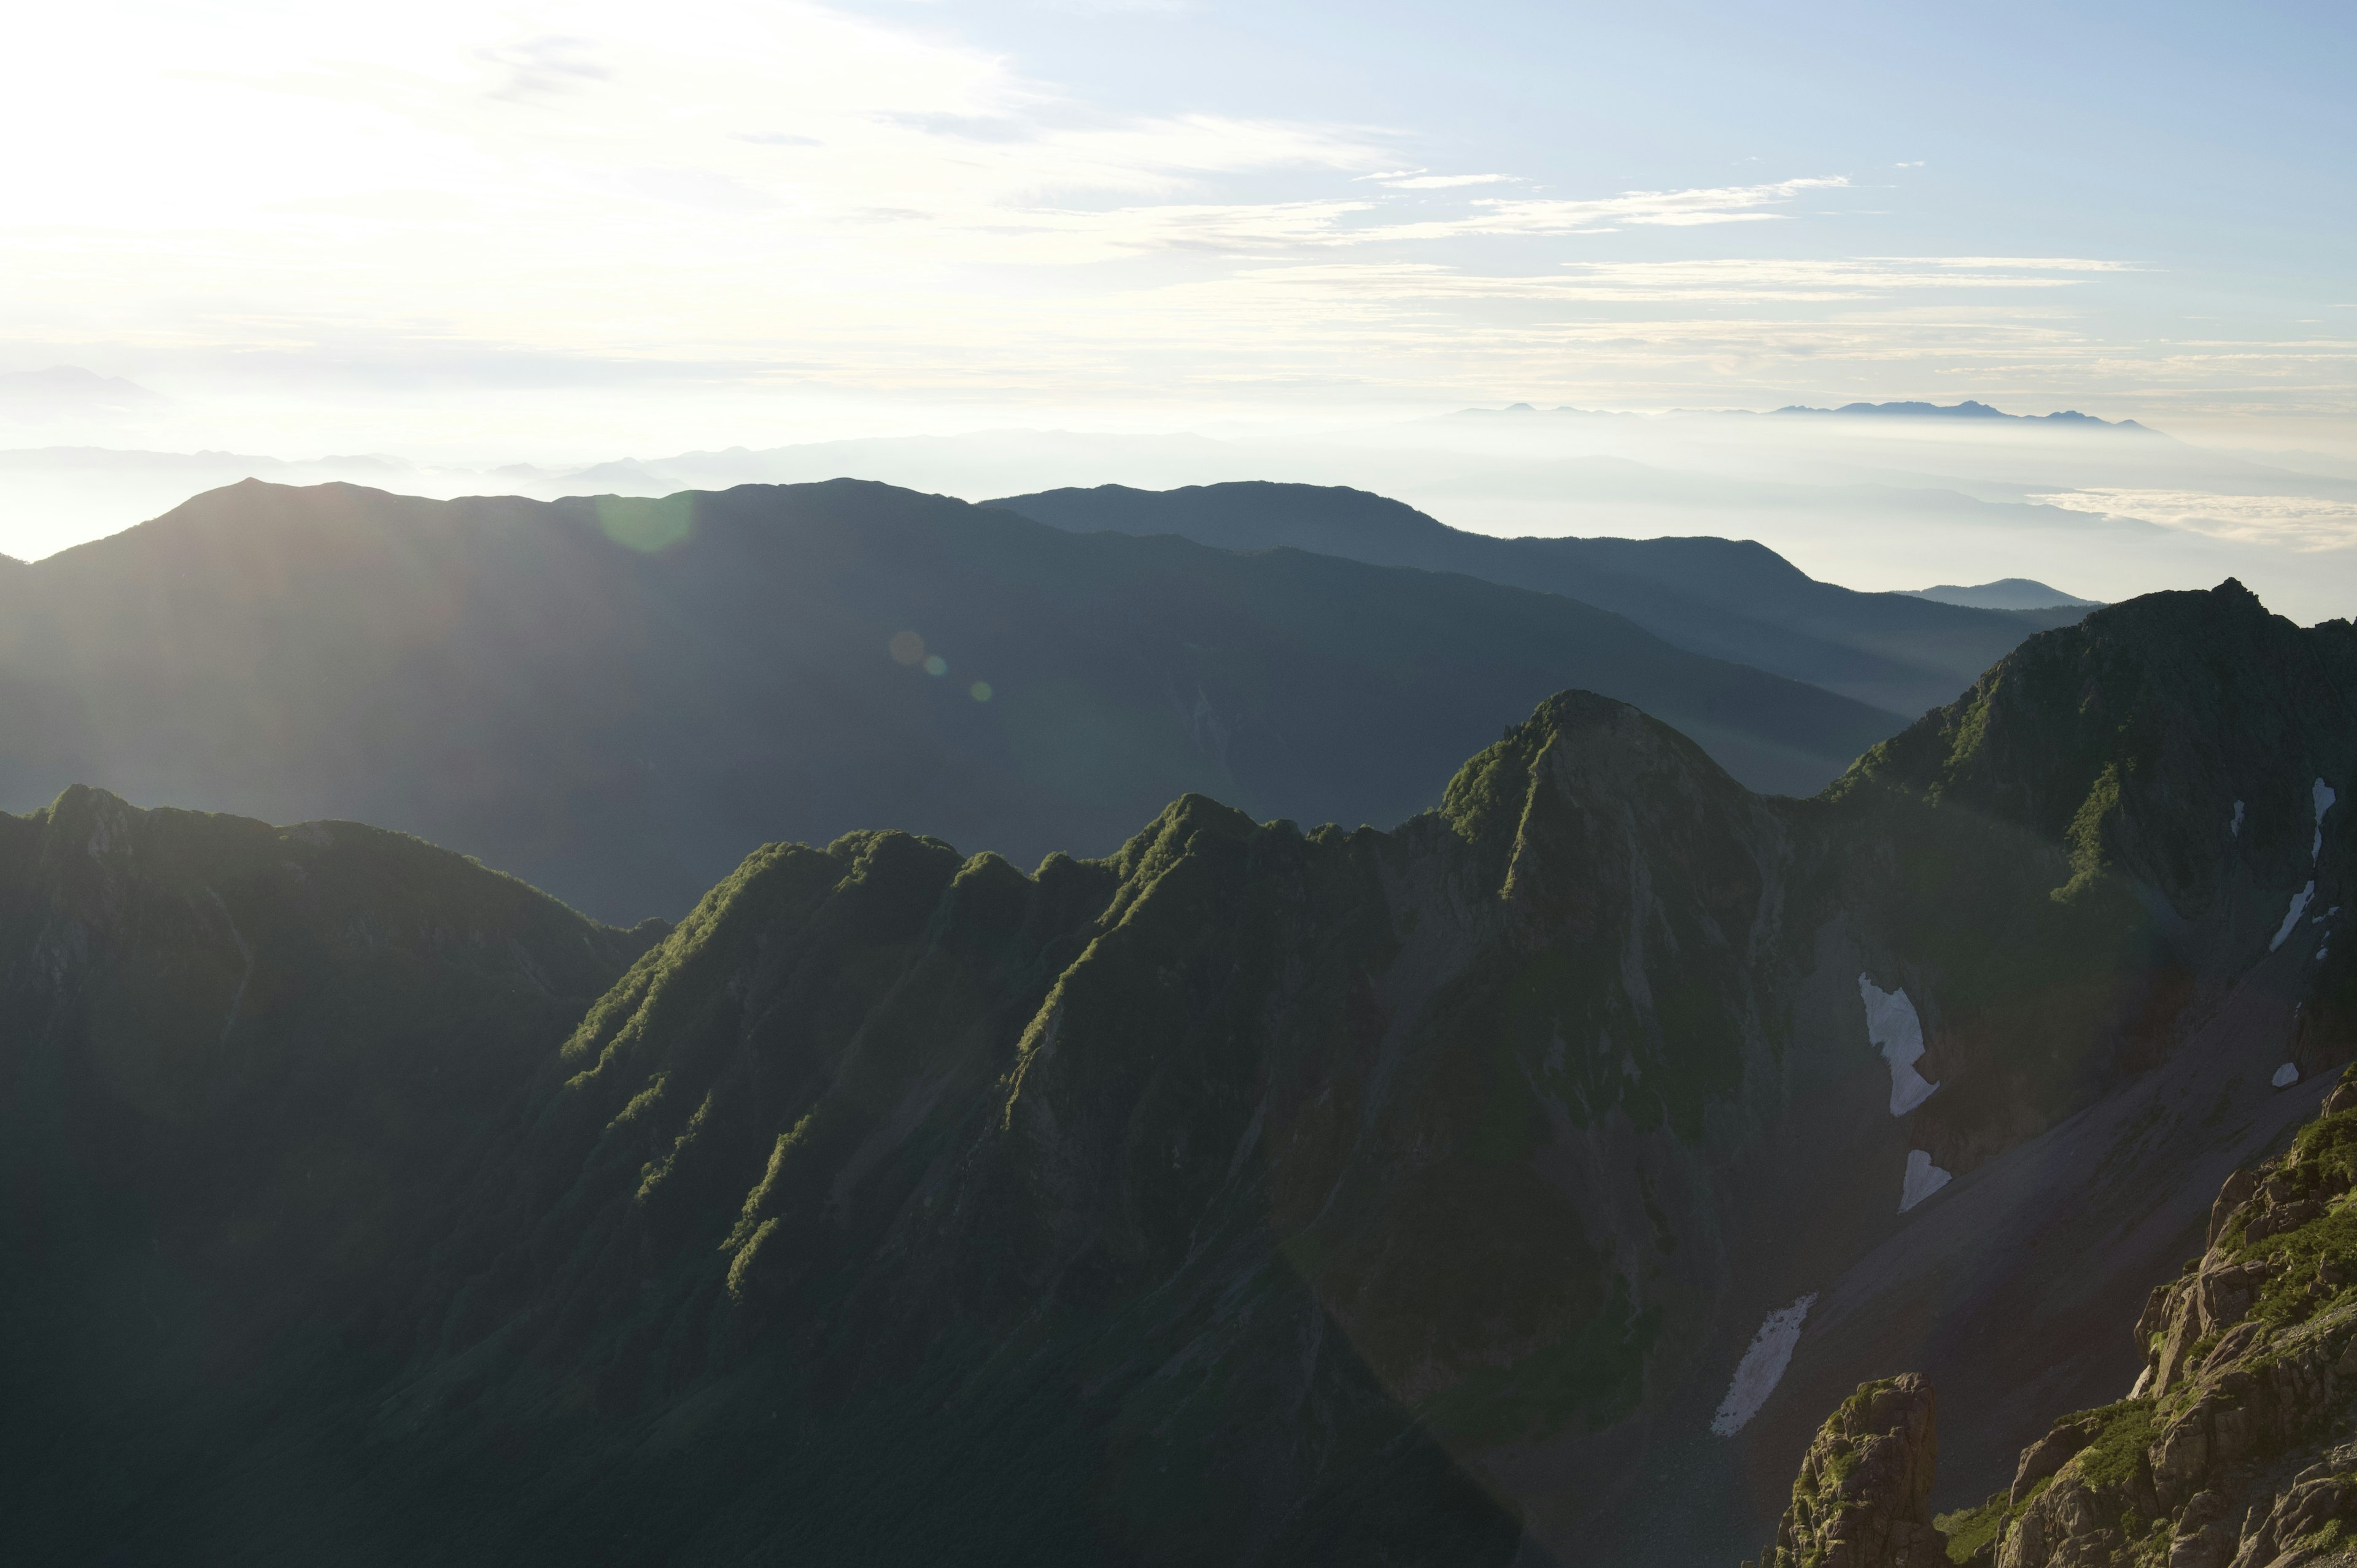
2233	1447
1728	598
1424	1197
246	1070
614	698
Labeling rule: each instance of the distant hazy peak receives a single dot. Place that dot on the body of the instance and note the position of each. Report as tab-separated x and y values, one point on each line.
70	384
2004	594
1967	409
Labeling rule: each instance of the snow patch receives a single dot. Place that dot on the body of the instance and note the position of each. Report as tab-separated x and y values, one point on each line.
2235	828
2286	1075
1893	1027
1923	1179
1762	1367
2291	916
2324	797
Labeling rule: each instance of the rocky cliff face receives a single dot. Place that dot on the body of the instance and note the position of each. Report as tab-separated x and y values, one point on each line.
1863	1498
1516	1181
2234	1448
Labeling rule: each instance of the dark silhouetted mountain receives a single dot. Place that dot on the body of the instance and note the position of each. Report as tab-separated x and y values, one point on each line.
1727	598
1516	1185
1967	409
2004	594
615	697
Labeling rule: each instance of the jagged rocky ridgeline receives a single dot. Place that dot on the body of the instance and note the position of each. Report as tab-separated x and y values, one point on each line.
2236	1449
1519	1180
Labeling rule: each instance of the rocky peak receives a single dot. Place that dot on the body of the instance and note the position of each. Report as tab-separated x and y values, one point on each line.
1863	1498
2175	737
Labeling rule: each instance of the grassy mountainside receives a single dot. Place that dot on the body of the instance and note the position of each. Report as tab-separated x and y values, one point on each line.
1248	1193
246	1072
613	698
1728	598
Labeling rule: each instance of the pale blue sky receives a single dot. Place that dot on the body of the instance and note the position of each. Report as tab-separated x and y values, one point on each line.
2209	148
507	226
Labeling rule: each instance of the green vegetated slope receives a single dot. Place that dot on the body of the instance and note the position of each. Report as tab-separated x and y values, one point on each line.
613	697
1251	1194
245	1074
1728	598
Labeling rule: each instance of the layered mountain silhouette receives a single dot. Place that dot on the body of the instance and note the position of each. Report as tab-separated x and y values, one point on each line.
1728	598
2004	594
1967	409
614	697
1524	1180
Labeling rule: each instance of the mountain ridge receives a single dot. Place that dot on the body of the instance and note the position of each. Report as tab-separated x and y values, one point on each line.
1729	598
1185	1202
614	697
1967	409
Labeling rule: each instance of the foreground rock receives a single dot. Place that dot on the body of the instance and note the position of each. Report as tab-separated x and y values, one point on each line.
2234	1451
1863	1495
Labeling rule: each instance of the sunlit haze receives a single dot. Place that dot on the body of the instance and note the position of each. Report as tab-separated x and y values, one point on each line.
567	234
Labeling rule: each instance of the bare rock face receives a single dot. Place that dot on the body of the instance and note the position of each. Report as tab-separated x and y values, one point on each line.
2233	1450
1863	1498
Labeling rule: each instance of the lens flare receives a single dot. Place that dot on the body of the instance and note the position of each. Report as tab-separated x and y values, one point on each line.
907	647
979	691
937	665
646	525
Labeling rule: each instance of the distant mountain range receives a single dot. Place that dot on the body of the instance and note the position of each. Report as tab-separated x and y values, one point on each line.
35	396
1727	598
616	698
1519	1185
1967	409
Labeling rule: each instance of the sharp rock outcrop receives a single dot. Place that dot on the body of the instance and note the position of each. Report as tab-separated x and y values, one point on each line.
2237	1447
1863	1498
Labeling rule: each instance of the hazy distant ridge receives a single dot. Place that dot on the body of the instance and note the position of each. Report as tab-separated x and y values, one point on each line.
1968	408
1734	600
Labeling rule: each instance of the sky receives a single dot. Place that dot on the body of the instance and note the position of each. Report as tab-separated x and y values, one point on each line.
469	236
466	226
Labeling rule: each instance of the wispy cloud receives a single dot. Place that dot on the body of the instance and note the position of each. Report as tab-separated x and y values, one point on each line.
1753	279
1650	208
794	194
2297	522
1445	181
